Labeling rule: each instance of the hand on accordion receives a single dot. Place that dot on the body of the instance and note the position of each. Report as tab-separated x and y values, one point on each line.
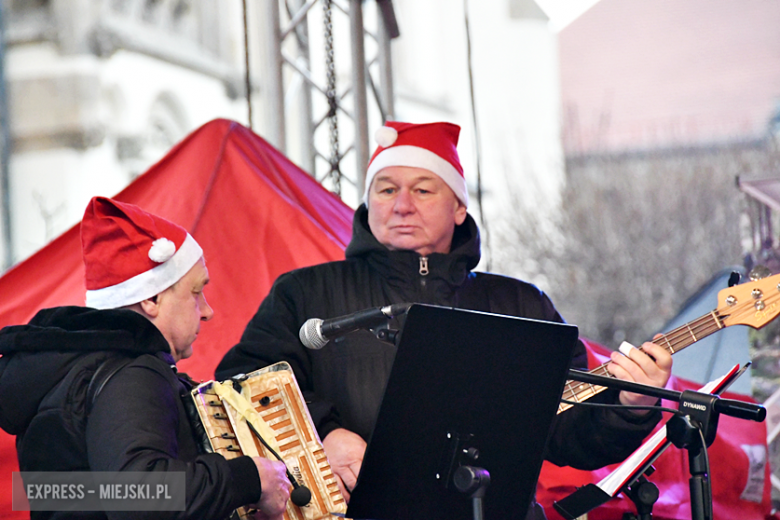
265	415
345	451
276	488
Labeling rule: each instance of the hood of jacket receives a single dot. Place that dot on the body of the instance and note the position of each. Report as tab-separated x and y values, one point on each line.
37	356
445	270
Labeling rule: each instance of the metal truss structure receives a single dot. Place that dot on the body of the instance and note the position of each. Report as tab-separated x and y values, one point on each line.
311	106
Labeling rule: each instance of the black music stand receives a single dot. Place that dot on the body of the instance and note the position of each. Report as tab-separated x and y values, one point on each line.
460	380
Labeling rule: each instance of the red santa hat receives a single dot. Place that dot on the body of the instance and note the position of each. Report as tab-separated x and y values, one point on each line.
432	146
131	255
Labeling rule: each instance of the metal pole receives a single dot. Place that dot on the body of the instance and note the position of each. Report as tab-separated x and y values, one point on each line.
385	67
5	154
359	91
487	252
247	70
274	97
305	111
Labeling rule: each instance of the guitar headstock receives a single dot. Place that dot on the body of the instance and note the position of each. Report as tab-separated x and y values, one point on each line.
754	303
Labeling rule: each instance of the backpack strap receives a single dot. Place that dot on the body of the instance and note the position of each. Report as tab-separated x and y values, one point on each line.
104	372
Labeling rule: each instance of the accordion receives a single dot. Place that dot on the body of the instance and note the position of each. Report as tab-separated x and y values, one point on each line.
268	403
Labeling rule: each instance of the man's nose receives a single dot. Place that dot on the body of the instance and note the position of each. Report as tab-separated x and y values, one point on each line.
206	312
404	202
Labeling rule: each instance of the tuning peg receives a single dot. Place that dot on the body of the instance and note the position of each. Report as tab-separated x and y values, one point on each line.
734	278
759	272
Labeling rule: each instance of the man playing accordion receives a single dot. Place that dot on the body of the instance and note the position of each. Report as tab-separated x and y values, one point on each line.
96	389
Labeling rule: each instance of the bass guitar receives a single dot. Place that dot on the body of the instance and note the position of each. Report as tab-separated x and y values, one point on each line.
754	303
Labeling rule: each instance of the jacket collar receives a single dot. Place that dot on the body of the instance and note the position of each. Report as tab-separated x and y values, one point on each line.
398	266
82	329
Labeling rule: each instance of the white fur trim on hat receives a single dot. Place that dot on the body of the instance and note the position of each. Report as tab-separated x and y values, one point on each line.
149	283
417	157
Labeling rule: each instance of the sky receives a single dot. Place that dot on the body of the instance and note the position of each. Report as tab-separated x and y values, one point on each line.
563	12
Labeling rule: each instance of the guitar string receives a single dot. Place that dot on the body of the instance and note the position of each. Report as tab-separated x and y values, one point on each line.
675	340
681	332
681	340
744	309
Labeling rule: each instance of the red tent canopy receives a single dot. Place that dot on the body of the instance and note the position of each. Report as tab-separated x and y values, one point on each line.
257	215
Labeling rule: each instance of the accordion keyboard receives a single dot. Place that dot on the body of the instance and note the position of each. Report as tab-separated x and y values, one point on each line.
276	399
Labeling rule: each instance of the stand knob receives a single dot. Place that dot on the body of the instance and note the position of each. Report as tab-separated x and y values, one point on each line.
471	480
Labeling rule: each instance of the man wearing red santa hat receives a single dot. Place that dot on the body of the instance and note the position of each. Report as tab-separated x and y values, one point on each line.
414	241
96	389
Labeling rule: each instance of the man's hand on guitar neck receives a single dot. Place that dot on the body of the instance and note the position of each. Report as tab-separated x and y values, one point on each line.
650	365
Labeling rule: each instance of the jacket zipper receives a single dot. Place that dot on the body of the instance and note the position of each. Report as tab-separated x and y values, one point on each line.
424	265
423	270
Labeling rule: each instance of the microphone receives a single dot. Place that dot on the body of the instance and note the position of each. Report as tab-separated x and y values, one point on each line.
300	495
316	333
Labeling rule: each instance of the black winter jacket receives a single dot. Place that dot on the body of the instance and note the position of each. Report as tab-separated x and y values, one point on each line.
344	382
136	423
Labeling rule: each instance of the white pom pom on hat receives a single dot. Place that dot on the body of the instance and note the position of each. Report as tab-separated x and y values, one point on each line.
385	136
162	250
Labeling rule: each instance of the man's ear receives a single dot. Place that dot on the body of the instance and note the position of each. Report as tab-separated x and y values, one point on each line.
460	213
150	306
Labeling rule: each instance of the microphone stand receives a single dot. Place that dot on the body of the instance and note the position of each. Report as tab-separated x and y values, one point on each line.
694	429
643	494
388	335
473	481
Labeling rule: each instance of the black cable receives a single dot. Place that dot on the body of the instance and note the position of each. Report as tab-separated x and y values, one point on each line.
707	492
705	454
477	144
301	495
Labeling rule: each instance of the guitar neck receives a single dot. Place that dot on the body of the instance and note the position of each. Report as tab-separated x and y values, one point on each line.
673	341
